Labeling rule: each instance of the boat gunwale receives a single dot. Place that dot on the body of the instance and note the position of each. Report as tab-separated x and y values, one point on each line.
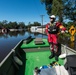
13	50
65	47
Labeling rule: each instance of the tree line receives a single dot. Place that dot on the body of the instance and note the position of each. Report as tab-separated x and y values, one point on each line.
15	25
22	25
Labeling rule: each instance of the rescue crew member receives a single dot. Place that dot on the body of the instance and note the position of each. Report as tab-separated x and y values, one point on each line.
52	30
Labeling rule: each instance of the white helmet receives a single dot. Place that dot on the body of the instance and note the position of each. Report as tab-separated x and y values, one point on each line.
52	16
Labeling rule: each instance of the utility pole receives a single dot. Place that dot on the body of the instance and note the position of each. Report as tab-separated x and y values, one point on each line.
42	22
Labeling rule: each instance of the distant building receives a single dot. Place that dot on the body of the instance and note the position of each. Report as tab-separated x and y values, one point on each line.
40	29
33	28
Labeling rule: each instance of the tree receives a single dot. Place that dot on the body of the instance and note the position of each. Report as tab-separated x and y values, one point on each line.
1	24
21	25
70	9
12	25
36	24
4	22
54	7
57	9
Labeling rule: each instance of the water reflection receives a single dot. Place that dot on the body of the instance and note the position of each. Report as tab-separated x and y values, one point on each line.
9	40
14	33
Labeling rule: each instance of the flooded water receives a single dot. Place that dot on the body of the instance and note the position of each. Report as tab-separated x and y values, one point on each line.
8	41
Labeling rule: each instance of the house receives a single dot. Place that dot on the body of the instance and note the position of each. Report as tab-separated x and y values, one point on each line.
40	29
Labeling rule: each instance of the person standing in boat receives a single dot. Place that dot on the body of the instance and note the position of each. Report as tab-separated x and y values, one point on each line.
52	30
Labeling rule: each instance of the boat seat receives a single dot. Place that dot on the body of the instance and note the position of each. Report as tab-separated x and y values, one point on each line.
71	64
38	41
27	40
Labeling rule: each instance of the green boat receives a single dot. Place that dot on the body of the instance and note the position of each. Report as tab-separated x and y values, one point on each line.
34	52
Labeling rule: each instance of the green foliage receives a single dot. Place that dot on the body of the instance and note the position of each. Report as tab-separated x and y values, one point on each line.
57	9
34	24
11	25
61	8
21	25
54	7
15	25
68	25
70	9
